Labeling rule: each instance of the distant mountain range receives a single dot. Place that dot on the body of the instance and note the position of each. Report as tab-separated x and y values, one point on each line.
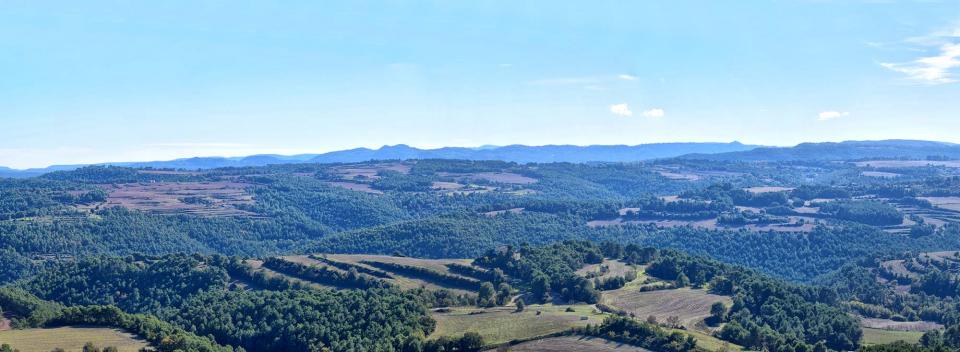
516	153
849	150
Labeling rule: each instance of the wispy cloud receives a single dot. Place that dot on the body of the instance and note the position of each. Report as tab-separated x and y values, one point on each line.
654	113
830	115
621	110
627	77
935	69
938	68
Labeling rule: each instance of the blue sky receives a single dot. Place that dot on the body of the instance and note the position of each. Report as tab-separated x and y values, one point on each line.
98	81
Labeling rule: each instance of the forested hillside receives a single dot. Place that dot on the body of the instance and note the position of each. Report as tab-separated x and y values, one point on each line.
254	257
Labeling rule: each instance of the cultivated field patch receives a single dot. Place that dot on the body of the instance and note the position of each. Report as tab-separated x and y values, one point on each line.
499	325
887	324
498	177
368	171
399	279
70	339
501	212
257	265
880	336
198	198
907	163
574	343
689	305
614	268
948	203
768	189
677	176
355	186
880	174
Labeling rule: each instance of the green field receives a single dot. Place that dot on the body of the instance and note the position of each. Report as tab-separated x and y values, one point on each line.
501	324
880	336
70	339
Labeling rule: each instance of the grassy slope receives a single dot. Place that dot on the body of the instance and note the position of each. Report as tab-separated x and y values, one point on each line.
70	339
501	324
879	336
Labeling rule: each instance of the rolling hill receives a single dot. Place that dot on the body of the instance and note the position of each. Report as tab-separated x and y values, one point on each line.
849	150
515	153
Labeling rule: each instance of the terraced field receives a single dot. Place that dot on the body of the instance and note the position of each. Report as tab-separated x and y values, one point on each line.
210	199
257	265
399	279
70	339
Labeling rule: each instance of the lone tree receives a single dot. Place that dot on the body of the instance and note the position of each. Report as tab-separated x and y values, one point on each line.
718	313
541	288
487	297
520	305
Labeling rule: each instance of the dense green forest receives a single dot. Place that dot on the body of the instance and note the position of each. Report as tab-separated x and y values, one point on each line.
797	245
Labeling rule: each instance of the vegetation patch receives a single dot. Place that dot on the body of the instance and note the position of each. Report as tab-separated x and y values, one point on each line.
500	325
881	336
70	338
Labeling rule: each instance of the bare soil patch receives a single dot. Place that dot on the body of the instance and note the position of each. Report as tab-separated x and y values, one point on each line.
614	268
368	171
498	177
169	172
908	163
354	186
198	198
887	324
501	212
679	176
690	305
574	343
768	189
446	186
948	203
5	321
880	174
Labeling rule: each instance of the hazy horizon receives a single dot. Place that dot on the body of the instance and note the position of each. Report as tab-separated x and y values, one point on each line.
108	81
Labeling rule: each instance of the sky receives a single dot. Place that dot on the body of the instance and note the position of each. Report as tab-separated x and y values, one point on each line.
98	81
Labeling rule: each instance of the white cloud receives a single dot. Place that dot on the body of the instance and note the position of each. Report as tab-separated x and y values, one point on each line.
654	113
830	115
627	77
938	67
621	110
931	69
